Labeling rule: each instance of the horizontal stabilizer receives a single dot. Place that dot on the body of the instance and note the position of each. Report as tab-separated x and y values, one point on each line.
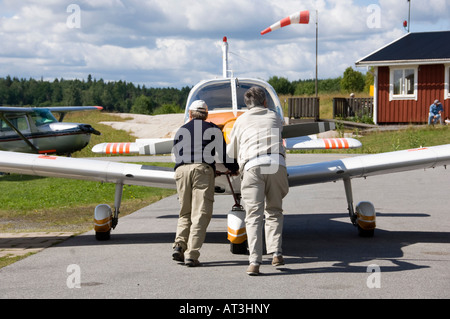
116	148
311	143
305	129
141	147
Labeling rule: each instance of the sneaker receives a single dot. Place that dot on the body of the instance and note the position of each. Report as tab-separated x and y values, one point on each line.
253	270
178	254
277	260
192	263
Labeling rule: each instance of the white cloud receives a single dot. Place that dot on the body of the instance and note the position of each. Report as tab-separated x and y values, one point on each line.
177	43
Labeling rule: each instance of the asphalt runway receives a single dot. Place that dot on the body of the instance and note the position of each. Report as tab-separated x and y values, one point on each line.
409	256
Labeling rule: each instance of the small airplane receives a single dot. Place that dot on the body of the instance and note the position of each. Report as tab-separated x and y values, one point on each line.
37	130
225	100
224	96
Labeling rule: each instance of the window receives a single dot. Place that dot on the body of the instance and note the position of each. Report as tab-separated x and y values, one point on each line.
20	122
42	117
403	84
218	95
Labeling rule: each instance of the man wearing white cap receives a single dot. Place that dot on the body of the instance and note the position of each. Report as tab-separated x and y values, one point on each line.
195	146
435	114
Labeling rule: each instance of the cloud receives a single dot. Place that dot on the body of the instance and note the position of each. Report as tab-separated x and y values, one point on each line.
178	43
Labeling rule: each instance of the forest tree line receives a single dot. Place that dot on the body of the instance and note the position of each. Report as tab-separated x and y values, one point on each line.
350	81
126	97
120	96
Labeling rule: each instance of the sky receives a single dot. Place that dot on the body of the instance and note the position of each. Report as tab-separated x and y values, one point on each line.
177	43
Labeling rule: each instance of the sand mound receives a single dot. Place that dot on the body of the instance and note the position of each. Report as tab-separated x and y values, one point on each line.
148	126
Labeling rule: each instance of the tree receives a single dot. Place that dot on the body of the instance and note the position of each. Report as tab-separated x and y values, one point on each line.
168	109
305	87
369	80
352	81
281	85
143	105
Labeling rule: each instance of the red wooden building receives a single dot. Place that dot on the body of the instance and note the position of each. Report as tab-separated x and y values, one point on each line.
410	73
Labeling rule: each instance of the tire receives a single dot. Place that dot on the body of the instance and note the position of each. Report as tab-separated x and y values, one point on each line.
365	233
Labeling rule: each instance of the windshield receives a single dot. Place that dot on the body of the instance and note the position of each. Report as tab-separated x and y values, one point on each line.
42	117
218	95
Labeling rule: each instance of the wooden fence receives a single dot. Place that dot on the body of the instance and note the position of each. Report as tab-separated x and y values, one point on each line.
352	107
303	107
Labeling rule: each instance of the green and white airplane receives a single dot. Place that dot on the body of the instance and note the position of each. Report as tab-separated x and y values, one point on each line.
36	130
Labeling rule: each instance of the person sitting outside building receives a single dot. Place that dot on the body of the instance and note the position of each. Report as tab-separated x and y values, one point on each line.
436	112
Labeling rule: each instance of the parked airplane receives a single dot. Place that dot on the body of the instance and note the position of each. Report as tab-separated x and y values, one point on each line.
36	130
222	94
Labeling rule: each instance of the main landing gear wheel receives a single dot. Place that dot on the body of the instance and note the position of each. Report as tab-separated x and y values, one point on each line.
365	212
105	219
103	222
365	233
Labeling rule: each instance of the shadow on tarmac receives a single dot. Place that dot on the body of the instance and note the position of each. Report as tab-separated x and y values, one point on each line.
311	239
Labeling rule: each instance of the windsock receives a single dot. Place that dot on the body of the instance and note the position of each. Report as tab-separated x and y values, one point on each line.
299	17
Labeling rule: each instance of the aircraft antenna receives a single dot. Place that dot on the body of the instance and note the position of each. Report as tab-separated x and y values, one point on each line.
225	57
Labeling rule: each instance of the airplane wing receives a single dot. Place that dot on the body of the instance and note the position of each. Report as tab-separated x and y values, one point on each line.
62	110
86	169
133	174
74	108
369	165
59	109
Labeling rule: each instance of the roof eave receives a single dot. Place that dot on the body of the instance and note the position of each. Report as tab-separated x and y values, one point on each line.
402	62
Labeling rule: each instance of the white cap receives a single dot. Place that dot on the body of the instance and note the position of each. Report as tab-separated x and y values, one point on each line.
198	105
436	101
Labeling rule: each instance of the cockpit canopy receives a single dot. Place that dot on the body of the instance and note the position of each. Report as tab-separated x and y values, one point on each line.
227	94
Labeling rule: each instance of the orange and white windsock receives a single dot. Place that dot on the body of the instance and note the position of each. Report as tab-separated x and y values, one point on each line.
299	17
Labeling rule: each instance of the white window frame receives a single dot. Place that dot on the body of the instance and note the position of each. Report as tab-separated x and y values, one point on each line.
446	82
403	95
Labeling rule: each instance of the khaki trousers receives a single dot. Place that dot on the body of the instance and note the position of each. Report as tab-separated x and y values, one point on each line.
262	194
195	186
